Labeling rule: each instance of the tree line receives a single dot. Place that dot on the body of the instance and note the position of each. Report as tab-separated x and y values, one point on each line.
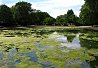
88	15
22	14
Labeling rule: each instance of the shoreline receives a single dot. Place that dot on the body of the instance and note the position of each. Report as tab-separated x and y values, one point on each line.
83	27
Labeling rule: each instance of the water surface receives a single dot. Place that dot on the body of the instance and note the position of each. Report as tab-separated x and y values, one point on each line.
60	49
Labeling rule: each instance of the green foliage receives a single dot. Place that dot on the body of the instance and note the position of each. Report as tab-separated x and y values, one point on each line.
40	17
67	19
85	15
34	18
49	21
22	13
61	20
6	17
89	12
37	17
71	17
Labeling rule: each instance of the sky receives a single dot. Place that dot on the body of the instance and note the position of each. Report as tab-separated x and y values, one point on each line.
53	7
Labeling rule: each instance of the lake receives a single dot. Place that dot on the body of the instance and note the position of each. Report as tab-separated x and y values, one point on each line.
49	48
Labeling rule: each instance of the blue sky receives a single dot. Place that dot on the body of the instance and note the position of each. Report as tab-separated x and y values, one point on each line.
53	7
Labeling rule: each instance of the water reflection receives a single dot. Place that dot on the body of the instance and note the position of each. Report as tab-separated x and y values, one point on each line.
55	35
75	44
11	58
70	38
41	48
62	39
73	64
90	64
89	43
76	39
1	59
1	56
69	42
94	64
85	64
32	55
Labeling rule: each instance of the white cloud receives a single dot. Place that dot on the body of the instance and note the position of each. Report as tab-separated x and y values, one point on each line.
57	7
0	1
11	4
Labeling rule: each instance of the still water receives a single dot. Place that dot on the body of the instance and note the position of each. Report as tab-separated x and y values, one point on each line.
73	50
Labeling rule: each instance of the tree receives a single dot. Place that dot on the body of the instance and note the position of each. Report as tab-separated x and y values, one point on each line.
6	17
25	15
22	13
86	15
66	19
41	16
13	10
71	17
61	20
89	12
49	21
34	18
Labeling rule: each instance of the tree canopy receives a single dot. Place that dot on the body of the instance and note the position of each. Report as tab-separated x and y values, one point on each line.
89	12
6	17
67	19
23	14
49	21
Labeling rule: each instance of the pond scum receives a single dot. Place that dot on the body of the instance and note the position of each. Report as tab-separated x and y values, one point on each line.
48	47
